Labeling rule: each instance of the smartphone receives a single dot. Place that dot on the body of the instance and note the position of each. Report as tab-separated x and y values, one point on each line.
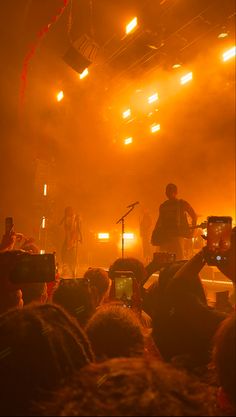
219	230
123	286
29	268
164	258
9	225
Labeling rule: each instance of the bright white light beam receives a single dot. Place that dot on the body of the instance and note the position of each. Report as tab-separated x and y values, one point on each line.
229	54
155	128
126	114
131	25
84	74
103	236
153	98
186	78
60	96
128	141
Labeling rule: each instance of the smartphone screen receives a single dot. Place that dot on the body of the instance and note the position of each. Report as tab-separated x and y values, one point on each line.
218	238
31	268
124	288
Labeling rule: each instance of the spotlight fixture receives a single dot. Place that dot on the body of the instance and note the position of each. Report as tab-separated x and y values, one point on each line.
153	98
103	236
229	54
223	35
176	66
60	96
43	223
45	190
84	74
186	78
126	114
128	141
155	128
132	25
129	236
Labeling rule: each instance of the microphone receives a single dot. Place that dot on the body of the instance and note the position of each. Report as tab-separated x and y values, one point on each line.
132	205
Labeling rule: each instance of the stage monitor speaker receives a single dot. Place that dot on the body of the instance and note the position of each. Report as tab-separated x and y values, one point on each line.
75	60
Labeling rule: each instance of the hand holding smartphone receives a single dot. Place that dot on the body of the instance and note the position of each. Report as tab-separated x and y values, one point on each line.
219	229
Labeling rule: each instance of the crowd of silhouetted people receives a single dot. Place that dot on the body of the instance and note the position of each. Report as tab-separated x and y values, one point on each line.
72	347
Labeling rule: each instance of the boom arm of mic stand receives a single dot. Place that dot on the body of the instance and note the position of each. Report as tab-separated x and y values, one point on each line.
125	215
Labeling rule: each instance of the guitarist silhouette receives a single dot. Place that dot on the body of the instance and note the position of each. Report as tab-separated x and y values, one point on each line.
172	226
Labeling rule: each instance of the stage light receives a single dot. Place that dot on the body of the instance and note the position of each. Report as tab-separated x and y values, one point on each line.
131	25
175	66
223	35
43	223
84	74
155	128
186	78
126	114
60	96
229	54
128	141
129	236
42	251
153	98
45	190
103	236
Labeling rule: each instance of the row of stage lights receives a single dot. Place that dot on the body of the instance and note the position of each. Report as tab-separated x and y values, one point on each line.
131	27
127	115
106	236
154	128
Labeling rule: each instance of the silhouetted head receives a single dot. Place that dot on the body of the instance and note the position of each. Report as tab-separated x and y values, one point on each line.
99	283
114	332
132	387
171	191
34	293
40	348
129	264
76	297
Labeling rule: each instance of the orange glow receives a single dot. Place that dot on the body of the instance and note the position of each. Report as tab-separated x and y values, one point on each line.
128	141
126	114
186	78
84	74
229	54
155	128
45	190
131	25
153	98
60	96
129	236
103	236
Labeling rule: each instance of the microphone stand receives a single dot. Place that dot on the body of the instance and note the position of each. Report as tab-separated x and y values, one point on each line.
122	221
